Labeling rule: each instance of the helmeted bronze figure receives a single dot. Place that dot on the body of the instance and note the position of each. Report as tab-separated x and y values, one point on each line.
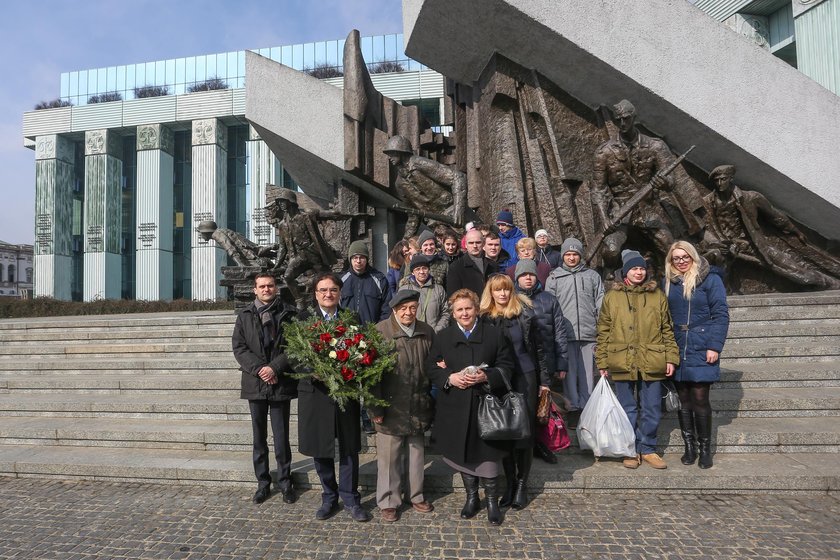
242	250
425	184
745	226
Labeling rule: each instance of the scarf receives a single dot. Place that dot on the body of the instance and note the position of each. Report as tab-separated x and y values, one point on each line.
265	311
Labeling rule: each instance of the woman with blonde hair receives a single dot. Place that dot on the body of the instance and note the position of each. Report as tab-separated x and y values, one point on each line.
697	301
514	314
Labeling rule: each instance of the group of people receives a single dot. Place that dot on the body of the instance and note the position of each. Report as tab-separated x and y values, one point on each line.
471	316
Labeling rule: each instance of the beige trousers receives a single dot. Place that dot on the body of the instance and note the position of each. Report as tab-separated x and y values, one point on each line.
390	464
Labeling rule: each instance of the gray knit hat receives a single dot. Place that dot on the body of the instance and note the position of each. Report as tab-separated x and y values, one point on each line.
571	245
631	259
425	236
525	266
358	247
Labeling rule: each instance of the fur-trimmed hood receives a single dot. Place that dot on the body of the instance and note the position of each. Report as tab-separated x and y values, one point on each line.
648	286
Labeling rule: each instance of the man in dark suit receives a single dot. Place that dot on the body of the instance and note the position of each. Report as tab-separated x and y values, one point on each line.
321	422
472	269
257	346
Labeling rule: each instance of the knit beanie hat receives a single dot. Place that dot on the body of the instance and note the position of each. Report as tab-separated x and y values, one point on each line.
505	217
570	244
425	236
540	232
631	259
525	266
418	260
358	247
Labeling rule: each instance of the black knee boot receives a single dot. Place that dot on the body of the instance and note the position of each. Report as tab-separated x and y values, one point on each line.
523	469
689	437
509	467
491	492
704	440
472	505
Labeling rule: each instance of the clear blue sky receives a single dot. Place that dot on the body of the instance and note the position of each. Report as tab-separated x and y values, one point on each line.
41	39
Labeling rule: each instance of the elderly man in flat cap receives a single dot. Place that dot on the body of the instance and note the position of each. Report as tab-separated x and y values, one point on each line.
410	411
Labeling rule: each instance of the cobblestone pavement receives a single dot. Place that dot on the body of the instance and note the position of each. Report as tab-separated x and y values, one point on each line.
68	520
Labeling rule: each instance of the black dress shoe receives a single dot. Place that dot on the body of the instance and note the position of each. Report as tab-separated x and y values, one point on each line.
289	495
327	510
543	453
262	494
358	513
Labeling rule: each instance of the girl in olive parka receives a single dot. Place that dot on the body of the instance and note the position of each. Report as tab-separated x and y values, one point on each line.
636	347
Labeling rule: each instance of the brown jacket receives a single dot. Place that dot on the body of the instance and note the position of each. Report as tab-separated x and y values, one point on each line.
407	387
635	333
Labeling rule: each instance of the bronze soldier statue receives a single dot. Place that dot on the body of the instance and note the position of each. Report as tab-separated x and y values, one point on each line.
426	185
242	250
745	226
300	246
622	167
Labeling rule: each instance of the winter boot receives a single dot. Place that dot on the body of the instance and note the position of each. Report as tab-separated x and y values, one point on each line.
704	440
509	467
472	505
523	469
689	437
491	492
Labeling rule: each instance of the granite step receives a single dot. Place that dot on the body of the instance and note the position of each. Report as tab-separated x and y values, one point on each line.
84	364
827	297
732	474
779	351
781	314
736	435
223	383
135	321
105	350
775	401
780	374
158	334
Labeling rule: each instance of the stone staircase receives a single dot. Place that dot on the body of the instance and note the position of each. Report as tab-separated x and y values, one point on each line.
154	398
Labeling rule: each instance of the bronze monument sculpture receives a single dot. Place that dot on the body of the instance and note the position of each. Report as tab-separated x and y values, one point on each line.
744	226
242	250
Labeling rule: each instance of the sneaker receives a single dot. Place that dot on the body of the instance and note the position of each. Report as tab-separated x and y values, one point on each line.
631	462
654	461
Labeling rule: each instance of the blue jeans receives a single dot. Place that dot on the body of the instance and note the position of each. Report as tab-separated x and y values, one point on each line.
649	395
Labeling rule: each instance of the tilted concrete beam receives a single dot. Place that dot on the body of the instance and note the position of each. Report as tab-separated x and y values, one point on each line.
691	78
301	119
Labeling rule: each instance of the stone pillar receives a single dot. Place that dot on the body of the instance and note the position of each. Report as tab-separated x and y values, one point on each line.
209	202
53	259
103	215
155	218
263	168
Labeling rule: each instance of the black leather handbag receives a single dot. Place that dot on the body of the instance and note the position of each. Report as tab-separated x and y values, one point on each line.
503	418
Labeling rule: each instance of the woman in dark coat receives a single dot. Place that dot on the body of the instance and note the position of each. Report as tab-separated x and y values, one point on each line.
697	300
514	314
451	365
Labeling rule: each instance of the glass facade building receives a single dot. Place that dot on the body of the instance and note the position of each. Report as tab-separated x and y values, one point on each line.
123	180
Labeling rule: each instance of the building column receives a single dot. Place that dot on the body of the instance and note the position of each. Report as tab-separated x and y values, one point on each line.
103	215
155	212
53	259
263	169
209	202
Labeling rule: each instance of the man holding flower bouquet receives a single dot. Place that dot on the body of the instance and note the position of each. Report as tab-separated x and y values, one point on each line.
322	420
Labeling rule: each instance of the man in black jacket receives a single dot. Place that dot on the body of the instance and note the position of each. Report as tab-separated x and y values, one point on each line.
257	346
472	269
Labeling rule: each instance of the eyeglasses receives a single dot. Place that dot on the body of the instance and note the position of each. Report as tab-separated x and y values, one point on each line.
327	290
682	259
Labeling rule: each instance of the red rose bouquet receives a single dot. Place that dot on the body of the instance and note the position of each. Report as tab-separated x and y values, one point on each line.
348	358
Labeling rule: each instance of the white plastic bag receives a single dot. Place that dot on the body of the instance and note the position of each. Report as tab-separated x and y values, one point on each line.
604	427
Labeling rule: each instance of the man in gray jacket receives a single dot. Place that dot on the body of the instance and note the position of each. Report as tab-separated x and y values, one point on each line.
579	291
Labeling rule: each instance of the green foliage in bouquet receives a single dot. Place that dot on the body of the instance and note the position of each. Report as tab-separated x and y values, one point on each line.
348	358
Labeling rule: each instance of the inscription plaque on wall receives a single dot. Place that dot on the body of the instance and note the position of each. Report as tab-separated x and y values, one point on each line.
148	234
94	239
43	234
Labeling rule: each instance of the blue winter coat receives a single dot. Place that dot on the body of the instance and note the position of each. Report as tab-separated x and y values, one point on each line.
699	325
367	294
509	239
